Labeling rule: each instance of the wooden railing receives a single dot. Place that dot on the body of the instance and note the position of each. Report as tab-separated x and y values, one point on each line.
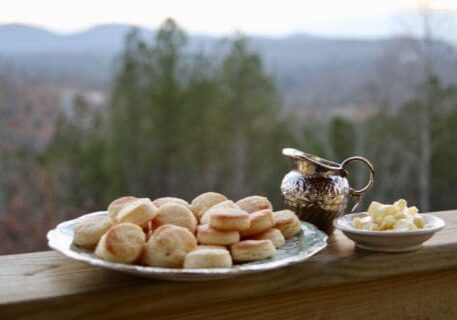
339	283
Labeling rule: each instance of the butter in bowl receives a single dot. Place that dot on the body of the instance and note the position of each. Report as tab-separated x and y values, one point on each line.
389	227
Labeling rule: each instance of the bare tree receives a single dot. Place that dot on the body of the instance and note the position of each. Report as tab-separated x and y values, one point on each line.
426	45
416	57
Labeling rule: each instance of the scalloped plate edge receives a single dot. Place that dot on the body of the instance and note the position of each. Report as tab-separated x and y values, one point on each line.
60	239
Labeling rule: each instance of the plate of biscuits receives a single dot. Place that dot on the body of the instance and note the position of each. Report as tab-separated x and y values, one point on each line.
169	238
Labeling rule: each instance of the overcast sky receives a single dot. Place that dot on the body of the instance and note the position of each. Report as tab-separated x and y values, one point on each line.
263	17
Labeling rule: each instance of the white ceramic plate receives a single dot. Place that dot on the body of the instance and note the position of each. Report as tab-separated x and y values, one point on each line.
392	240
307	243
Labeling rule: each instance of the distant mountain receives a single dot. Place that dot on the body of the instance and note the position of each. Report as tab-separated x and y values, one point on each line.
18	38
22	39
309	70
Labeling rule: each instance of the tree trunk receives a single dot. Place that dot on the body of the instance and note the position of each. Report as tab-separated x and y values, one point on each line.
239	173
425	155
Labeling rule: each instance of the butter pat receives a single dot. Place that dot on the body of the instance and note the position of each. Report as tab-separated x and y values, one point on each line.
384	217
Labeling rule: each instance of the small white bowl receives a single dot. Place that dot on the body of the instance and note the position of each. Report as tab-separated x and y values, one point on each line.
388	241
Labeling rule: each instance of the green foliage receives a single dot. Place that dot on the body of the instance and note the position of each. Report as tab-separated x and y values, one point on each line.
177	124
393	143
343	137
251	122
76	158
181	124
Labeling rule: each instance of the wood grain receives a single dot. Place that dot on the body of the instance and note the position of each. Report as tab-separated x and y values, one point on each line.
337	283
418	296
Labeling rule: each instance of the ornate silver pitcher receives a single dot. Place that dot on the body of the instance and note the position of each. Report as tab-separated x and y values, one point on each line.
318	190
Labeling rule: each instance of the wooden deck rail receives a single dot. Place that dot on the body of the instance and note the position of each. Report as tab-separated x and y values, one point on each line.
339	283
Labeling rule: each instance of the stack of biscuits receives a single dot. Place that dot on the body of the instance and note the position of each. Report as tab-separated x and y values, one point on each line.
210	232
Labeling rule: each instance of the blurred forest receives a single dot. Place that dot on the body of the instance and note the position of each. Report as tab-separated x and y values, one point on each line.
180	123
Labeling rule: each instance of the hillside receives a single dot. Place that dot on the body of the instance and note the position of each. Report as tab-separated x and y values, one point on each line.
310	71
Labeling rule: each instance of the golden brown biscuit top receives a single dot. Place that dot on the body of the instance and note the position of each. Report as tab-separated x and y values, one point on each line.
121	201
230	213
170	208
164	200
165	233
254	203
261	214
208	199
283	216
121	238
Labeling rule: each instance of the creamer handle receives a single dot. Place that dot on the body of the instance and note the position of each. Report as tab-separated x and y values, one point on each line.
357	194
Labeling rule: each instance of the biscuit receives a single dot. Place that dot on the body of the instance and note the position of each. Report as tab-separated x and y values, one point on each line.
207	246
287	222
139	212
117	205
260	221
224	204
251	250
169	246
122	243
208	258
229	219
290	230
164	200
205	201
89	230
254	203
283	216
210	236
274	235
175	214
